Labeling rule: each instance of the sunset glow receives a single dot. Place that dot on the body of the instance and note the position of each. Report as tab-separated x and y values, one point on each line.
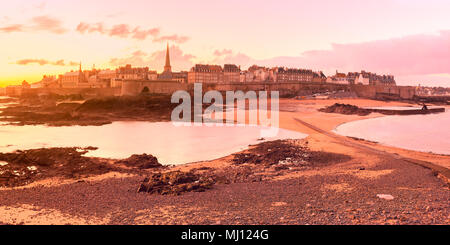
412	41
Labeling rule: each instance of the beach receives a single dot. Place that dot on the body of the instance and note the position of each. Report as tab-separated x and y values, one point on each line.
370	184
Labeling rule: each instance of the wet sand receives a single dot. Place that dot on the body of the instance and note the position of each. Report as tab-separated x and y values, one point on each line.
340	193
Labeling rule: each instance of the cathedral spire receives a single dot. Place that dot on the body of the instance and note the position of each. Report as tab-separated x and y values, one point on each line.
167	67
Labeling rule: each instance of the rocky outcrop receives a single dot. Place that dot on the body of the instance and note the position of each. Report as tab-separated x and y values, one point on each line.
175	183
345	109
143	161
23	167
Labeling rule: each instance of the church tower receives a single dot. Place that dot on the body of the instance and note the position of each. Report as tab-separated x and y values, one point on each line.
81	77
167	73
167	67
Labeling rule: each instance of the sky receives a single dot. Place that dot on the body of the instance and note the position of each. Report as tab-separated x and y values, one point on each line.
409	39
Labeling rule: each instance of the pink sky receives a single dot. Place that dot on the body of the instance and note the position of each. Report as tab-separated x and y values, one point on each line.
407	38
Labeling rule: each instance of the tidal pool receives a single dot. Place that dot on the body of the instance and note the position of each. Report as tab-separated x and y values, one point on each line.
169	143
427	133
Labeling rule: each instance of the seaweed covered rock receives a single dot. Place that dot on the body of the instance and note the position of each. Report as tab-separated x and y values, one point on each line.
345	109
175	183
142	161
284	153
273	152
47	156
24	167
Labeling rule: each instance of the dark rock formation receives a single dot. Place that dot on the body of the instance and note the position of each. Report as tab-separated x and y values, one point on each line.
175	183
143	161
345	109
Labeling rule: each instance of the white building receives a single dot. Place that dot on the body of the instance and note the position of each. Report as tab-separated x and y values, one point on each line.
361	79
338	78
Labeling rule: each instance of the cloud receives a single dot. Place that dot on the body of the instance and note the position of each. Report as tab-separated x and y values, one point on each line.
45	62
411	59
410	55
12	28
32	61
47	23
38	23
90	28
223	52
405	56
120	30
141	35
179	60
126	31
228	56
40	6
174	38
139	53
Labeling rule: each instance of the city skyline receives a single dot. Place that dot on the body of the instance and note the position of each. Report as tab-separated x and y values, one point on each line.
49	37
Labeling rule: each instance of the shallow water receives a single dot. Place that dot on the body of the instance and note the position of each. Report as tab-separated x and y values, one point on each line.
399	108
170	144
427	133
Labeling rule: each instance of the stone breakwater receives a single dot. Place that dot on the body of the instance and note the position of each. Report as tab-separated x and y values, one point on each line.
352	109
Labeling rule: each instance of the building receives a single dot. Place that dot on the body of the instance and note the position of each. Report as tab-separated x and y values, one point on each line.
74	79
71	79
231	73
129	73
104	78
249	76
282	75
132	73
338	78
205	74
106	74
352	76
319	77
368	78
152	75
47	82
258	74
13	90
181	76
362	78
25	84
242	75
167	73
385	80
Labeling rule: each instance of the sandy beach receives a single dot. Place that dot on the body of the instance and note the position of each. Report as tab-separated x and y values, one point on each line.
377	184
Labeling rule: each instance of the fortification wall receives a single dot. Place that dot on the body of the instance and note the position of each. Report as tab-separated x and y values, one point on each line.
374	91
159	87
86	92
285	89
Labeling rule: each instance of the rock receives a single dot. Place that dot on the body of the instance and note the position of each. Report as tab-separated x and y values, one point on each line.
285	151
345	109
142	161
30	165
385	196
175	182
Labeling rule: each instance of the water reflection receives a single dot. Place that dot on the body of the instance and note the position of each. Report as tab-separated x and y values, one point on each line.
171	144
428	133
